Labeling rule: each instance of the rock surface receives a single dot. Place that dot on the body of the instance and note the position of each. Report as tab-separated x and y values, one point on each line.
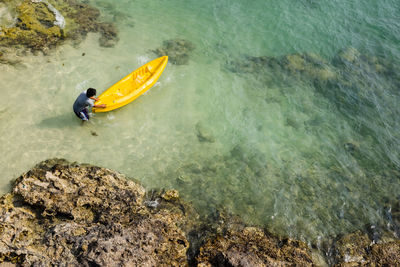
357	249
41	25
84	215
252	247
67	214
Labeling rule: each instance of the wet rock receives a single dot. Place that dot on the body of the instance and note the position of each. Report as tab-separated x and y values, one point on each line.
352	248
386	254
34	28
40	25
177	50
171	195
253	247
357	249
86	215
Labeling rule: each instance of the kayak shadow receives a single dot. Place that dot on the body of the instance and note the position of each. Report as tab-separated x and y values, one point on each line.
60	121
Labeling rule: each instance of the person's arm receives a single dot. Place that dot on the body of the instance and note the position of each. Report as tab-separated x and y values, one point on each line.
94	98
97	106
100	106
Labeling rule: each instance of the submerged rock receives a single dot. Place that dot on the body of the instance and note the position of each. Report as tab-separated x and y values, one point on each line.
177	50
304	66
349	73
203	133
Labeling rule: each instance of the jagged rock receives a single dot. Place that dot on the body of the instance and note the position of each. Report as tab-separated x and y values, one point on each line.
357	249
40	25
177	50
252	247
386	254
170	195
63	212
34	27
351	248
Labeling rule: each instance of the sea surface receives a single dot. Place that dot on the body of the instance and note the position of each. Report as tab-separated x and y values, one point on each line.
286	112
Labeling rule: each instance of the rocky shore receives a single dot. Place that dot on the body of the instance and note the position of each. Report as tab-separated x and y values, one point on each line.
68	214
40	25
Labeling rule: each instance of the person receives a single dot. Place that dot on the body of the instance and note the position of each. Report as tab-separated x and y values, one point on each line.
84	100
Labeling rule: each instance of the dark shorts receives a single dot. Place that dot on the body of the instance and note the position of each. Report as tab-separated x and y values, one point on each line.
83	115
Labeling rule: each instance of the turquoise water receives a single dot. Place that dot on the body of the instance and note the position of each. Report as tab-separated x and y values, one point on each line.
281	147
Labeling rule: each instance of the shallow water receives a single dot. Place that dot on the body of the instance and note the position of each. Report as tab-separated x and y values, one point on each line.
305	160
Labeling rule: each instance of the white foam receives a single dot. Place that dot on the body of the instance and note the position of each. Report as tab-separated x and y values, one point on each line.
152	203
60	21
143	60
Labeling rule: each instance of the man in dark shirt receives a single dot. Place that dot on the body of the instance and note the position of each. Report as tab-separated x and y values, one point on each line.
84	100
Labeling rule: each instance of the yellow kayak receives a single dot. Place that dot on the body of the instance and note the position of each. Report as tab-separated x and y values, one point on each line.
132	86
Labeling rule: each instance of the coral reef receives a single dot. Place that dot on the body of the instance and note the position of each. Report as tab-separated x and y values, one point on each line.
177	50
41	25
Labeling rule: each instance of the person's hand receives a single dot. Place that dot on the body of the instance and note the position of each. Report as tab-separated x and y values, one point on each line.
100	106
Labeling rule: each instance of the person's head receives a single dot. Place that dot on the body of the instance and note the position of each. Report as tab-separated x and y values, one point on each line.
90	92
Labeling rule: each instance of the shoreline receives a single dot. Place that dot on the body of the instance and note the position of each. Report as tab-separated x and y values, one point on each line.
67	212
